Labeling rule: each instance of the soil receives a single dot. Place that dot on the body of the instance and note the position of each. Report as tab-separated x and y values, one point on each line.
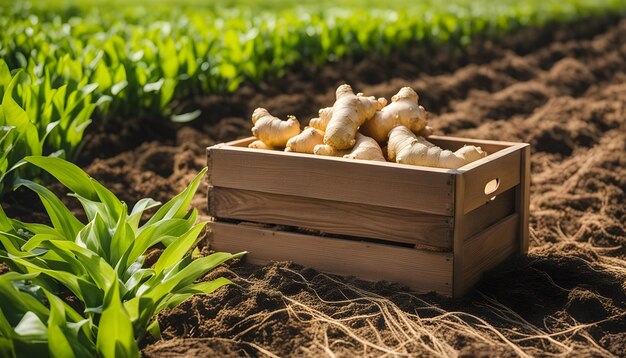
563	91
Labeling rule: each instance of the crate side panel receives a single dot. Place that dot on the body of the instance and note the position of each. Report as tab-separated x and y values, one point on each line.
332	217
522	195
422	270
486	250
484	216
354	181
503	165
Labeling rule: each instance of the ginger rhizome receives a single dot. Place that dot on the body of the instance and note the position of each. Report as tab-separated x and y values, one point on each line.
356	127
273	131
365	148
406	148
426	132
403	110
306	141
349	112
322	121
259	144
329	151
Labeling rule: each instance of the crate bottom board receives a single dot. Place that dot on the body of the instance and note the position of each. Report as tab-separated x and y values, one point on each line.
421	270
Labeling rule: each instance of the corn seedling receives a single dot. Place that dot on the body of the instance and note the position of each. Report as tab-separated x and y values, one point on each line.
41	112
101	264
143	58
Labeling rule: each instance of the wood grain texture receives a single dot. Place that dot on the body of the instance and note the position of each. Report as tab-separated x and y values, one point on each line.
457	238
333	217
422	270
486	250
427	190
503	165
490	213
522	198
243	142
454	143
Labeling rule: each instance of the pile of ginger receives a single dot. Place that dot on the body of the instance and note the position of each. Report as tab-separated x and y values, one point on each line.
356	127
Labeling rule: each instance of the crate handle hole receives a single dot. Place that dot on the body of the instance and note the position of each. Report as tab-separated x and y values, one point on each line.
492	186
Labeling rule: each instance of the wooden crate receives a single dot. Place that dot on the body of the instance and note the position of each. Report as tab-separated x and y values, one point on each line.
429	228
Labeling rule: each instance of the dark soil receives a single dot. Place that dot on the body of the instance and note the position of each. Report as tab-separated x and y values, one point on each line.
564	92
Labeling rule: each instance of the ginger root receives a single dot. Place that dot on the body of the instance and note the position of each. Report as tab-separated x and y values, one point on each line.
406	148
365	148
259	144
306	141
403	110
356	126
426	132
273	131
321	122
349	112
329	151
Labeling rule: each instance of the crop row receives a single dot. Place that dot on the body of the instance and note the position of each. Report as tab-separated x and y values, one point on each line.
134	63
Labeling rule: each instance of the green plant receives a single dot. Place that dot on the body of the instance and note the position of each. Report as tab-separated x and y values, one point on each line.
41	112
146	55
101	264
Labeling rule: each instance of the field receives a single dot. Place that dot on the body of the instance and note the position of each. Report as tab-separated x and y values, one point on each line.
172	82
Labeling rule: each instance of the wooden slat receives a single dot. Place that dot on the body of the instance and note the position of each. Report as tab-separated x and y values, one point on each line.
523	198
457	238
488	214
427	190
333	217
486	250
422	270
243	142
503	165
454	143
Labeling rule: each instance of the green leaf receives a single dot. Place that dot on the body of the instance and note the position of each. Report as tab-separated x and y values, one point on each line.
92	208
156	291
115	332
122	239
11	243
118	87
68	174
83	289
5	74
113	205
32	328
100	272
15	303
141	206
153	86
62	219
179	248
58	344
202	287
159	231
167	91
7	348
102	76
177	207
186	117
16	116
154	329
